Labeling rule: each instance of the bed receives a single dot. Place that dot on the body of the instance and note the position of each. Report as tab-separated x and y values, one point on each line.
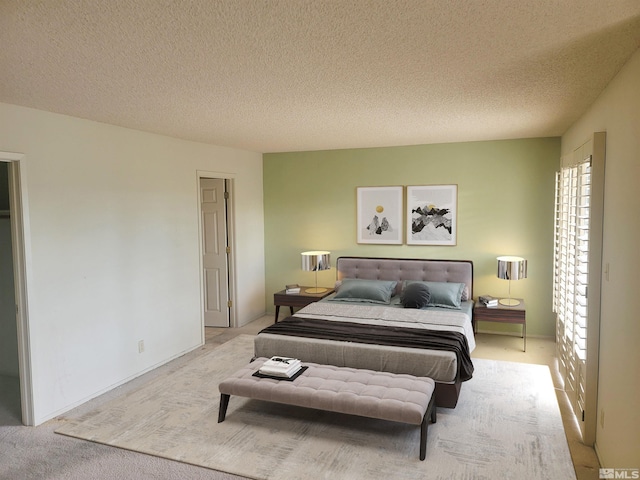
377	321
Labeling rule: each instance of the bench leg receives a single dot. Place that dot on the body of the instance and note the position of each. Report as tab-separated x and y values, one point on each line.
430	414
423	437
224	403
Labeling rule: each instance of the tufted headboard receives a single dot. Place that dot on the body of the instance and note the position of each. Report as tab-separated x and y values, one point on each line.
371	268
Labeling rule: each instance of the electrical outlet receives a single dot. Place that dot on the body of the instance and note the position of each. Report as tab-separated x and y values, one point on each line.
141	346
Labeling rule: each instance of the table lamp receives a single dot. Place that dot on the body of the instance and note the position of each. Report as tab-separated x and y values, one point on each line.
314	261
511	268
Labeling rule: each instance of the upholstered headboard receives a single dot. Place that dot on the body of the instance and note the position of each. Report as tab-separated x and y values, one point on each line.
370	268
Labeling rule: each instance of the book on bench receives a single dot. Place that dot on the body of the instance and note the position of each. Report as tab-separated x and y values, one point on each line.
281	367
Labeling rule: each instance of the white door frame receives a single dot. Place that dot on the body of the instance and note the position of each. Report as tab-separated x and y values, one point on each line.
231	264
19	239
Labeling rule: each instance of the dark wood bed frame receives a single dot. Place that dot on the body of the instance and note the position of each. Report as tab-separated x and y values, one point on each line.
372	268
434	270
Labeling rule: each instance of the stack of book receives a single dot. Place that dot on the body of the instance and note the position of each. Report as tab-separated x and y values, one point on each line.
292	289
281	367
488	300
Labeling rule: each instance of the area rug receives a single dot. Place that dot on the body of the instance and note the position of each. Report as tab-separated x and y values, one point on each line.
507	425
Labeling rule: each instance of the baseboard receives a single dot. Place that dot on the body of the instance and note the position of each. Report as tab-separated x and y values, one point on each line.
598	456
254	318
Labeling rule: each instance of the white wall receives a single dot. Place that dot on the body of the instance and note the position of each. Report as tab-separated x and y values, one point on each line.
617	111
114	256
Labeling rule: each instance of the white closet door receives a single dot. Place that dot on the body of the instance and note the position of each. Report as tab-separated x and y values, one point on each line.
214	252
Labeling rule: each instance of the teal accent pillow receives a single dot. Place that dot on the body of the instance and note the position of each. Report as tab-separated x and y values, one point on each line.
367	291
443	294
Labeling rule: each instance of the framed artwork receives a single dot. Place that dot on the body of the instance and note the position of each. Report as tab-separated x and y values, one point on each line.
432	214
379	215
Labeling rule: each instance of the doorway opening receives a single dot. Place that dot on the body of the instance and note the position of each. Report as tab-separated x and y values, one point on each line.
15	365
9	369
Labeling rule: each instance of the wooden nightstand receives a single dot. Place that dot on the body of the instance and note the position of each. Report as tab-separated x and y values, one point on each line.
299	300
502	314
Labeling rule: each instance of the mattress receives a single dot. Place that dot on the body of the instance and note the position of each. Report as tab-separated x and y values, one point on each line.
440	365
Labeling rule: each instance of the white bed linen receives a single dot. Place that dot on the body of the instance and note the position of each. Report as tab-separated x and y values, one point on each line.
436	319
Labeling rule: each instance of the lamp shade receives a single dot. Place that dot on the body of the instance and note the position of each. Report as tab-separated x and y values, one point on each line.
512	268
316	261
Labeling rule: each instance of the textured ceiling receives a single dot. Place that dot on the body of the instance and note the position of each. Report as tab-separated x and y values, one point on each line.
288	75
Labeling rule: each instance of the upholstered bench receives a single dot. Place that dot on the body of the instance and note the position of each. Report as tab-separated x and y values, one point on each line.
381	395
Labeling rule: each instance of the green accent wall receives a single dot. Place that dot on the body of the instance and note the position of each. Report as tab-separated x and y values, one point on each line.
505	207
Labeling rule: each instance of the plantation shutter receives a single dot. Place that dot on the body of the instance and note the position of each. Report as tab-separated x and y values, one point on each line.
577	272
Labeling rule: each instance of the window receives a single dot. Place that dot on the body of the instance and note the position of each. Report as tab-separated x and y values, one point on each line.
577	275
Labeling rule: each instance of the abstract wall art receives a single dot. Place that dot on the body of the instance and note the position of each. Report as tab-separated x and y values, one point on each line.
432	215
379	215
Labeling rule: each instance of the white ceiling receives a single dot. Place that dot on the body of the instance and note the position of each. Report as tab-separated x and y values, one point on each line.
290	75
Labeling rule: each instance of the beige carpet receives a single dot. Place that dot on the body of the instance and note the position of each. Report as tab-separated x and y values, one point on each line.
507	425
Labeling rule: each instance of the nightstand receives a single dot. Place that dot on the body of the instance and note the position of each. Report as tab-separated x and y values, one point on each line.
299	300
502	314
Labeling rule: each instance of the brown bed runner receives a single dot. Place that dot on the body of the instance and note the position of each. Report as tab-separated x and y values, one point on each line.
379	335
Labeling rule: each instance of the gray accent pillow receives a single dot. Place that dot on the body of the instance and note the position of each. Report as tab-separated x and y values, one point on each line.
465	293
443	294
368	291
415	295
